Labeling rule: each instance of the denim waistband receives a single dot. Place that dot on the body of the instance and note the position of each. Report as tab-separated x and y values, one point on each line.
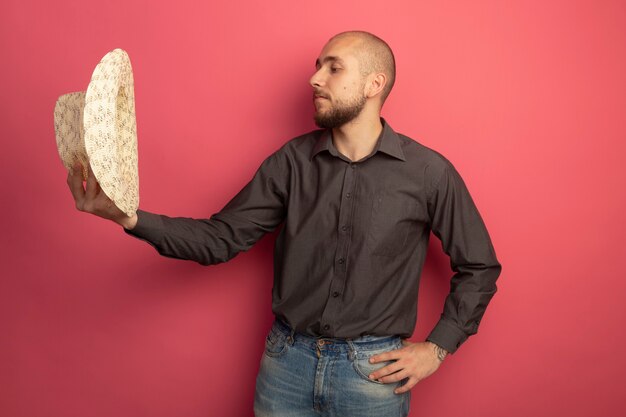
362	343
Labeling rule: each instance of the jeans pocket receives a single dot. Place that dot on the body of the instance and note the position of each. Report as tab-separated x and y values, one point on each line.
275	344
363	367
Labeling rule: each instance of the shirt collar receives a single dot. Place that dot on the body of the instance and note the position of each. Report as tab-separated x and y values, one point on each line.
388	142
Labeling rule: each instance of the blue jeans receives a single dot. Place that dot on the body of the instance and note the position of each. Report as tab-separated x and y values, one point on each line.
303	376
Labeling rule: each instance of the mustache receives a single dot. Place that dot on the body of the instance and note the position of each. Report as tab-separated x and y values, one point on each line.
318	93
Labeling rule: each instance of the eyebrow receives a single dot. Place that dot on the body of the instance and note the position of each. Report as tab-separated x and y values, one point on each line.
328	58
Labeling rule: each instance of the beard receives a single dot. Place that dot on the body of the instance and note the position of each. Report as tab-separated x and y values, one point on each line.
340	114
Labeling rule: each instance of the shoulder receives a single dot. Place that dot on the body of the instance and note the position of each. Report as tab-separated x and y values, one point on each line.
303	143
431	162
286	156
298	147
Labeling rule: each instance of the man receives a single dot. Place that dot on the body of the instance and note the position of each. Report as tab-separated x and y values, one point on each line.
357	202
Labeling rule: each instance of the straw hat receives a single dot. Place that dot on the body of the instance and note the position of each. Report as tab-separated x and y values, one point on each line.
98	127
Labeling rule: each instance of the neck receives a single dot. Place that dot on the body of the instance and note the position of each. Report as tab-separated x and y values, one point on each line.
357	138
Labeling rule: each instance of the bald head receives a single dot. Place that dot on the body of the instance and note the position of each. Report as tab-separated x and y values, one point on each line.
374	56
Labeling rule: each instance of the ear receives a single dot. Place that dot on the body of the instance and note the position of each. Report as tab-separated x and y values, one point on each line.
375	84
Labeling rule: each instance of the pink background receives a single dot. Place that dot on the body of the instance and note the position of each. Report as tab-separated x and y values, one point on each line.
526	98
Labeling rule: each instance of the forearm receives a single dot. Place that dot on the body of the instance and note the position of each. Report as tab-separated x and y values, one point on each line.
472	288
206	241
257	209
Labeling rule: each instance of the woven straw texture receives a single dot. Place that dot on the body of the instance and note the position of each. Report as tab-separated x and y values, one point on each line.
68	127
107	135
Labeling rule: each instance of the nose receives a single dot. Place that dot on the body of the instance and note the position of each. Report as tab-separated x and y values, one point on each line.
316	79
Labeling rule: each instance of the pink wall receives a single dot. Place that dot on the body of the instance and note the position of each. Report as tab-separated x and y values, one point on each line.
526	98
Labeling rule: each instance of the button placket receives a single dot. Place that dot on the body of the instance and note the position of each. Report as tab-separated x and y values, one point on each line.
344	227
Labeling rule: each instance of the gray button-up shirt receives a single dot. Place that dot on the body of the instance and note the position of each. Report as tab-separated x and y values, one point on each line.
353	237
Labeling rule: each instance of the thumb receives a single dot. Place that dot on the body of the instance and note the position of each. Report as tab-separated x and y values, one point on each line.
92	187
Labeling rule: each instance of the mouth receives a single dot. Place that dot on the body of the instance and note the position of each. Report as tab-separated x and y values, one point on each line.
317	96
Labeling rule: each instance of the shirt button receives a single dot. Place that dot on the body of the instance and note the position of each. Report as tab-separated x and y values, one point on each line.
347	195
341	260
326	327
353	166
344	228
335	294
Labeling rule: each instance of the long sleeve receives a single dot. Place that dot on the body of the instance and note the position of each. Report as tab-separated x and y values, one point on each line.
258	208
455	220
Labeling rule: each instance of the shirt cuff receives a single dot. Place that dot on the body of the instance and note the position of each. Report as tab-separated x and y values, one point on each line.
447	335
149	227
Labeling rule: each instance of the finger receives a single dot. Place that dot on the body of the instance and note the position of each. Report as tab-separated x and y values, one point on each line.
386	356
398	376
92	185
406	387
386	370
75	182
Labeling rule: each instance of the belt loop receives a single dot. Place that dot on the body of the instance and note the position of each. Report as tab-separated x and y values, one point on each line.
292	331
291	337
352	353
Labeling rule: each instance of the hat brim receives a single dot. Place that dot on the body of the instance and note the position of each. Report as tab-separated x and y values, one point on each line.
110	133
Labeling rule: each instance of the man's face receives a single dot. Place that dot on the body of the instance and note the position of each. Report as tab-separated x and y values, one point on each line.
338	86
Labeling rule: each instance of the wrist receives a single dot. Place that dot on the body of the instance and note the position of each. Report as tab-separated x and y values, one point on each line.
439	352
128	223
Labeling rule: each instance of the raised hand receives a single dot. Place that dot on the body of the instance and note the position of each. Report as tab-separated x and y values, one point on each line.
93	200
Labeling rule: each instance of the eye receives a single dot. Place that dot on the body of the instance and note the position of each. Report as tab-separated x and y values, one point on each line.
334	69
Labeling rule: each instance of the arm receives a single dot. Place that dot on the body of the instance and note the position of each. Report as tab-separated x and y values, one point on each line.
457	223
455	220
257	209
